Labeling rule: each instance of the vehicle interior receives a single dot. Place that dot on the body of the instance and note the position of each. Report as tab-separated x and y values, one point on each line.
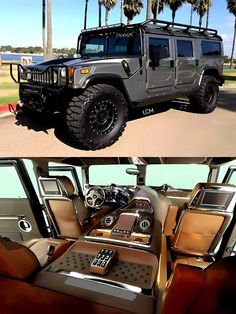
118	235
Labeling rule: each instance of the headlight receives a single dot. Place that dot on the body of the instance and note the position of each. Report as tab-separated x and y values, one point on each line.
29	75
63	72
54	77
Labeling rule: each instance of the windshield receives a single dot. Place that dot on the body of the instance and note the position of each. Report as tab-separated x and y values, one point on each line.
111	44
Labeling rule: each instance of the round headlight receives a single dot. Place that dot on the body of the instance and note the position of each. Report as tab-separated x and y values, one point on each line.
63	72
54	77
29	75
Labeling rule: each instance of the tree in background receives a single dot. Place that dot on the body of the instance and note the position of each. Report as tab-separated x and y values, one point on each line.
108	4
201	7
85	14
174	5
193	3
100	12
44	27
231	6
208	12
132	8
49	51
157	7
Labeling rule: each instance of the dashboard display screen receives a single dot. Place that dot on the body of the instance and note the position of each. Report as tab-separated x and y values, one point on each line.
215	199
50	187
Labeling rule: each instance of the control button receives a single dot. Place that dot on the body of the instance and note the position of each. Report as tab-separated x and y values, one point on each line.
103	264
110	252
99	262
107	258
103	256
95	262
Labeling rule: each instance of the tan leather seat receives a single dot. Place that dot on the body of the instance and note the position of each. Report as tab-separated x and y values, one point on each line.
47	249
210	291
67	212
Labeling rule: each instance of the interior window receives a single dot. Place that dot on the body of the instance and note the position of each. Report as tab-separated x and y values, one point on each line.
158	43
10	183
184	48
223	169
177	176
108	174
210	48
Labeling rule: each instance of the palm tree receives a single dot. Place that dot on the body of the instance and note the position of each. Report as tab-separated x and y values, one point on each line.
108	4
44	26
193	3
157	7
201	8
49	52
85	14
149	9
174	5
208	12
132	8
100	12
231	6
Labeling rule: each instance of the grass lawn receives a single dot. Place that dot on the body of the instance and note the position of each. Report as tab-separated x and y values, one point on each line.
230	76
8	88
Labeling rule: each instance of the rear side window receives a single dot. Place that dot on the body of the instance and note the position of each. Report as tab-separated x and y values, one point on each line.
211	48
184	48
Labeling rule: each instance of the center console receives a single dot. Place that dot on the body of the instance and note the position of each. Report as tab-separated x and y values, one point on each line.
132	225
129	284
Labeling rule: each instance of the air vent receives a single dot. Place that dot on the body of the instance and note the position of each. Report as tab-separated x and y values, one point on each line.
108	221
145	225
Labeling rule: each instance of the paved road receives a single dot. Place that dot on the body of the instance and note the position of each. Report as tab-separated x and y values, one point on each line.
172	132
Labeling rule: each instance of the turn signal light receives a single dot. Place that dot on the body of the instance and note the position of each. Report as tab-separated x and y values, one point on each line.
85	71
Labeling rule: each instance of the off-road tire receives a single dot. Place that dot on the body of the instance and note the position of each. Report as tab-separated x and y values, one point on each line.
96	118
205	98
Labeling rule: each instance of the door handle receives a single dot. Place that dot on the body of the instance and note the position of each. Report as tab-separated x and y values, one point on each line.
172	63
197	63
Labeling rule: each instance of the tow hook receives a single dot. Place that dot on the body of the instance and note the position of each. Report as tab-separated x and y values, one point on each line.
18	109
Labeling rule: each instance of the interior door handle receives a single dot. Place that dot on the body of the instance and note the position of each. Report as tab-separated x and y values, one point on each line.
172	63
197	63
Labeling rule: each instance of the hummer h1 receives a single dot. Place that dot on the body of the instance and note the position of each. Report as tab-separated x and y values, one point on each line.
119	68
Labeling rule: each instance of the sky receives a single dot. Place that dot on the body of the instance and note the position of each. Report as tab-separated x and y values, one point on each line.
21	21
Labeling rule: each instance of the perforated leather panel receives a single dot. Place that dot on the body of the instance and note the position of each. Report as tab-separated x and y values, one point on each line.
122	271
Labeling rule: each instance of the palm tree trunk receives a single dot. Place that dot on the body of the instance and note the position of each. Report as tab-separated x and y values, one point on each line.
99	13
191	15
149	9
200	21
106	16
49	52
173	17
85	14
233	46
121	10
207	17
44	27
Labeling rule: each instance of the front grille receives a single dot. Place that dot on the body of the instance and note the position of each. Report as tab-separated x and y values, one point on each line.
41	77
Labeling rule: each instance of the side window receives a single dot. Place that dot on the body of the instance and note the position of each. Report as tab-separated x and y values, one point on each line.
157	43
210	48
10	183
184	48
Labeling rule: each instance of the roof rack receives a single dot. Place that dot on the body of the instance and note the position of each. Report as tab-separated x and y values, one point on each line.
184	27
103	27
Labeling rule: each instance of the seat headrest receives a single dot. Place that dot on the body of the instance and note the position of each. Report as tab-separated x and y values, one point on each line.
66	185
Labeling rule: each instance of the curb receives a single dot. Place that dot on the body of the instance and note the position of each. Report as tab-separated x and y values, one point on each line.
4	110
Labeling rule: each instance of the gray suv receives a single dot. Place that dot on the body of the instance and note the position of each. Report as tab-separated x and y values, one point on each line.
120	68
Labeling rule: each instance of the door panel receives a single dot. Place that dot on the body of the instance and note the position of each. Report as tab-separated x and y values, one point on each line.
186	63
19	205
17	221
163	75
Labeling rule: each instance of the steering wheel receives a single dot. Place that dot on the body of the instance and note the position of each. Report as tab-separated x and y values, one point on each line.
95	197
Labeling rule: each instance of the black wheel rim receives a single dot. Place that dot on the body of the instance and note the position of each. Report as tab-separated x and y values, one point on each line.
209	95
103	117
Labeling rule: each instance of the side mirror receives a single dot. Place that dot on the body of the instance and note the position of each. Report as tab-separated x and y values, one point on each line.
132	171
